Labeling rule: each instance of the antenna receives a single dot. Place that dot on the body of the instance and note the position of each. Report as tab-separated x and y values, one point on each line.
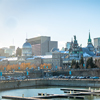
71	39
26	35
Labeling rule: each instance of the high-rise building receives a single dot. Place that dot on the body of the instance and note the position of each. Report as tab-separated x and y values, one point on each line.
68	45
42	44
96	42
2	53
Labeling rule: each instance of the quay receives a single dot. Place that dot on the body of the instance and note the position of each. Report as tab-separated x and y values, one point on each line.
49	82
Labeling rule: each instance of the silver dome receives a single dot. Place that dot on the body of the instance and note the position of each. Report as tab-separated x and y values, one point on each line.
27	45
27	49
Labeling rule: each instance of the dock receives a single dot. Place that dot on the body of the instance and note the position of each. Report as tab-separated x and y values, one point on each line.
21	98
59	96
44	97
73	89
81	91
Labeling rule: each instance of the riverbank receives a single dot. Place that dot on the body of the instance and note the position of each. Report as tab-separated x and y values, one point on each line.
49	82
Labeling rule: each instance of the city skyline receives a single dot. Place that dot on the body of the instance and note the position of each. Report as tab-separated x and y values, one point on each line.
59	19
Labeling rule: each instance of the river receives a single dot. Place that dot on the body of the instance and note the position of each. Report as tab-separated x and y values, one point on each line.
33	91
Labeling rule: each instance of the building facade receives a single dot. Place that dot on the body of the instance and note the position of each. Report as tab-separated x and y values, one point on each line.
2	53
75	53
42	44
97	44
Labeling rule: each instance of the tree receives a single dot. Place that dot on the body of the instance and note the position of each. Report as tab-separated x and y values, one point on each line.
73	64
97	63
77	65
81	61
90	63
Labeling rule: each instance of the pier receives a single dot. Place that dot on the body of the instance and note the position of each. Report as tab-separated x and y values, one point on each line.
44	97
21	98
73	89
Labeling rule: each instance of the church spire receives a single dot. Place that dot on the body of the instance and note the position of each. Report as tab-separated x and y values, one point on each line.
89	40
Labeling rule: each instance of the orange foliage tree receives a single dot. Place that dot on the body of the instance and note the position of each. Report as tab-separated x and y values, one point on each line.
23	66
2	67
45	66
33	66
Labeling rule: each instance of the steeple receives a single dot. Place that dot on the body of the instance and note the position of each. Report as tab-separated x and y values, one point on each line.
89	40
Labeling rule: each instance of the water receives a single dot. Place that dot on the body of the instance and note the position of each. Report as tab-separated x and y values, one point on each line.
33	91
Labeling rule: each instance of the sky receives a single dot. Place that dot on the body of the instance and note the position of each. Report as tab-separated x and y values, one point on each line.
59	19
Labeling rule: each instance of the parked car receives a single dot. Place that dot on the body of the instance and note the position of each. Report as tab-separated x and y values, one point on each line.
95	77
73	77
2	78
68	77
23	77
88	77
81	77
55	77
91	77
60	76
8	77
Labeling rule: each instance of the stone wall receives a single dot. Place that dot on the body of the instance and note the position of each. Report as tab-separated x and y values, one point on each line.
52	82
80	72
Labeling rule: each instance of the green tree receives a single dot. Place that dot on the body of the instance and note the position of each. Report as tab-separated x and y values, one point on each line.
73	63
82	61
87	63
77	65
96	61
90	63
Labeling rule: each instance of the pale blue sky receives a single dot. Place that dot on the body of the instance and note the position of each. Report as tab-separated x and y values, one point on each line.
59	19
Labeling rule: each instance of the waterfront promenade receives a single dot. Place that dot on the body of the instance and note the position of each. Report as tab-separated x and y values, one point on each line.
49	82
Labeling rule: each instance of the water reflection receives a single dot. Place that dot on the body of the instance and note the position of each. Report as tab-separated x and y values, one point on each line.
33	91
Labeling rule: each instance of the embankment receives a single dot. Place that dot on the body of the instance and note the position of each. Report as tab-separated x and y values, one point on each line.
50	82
